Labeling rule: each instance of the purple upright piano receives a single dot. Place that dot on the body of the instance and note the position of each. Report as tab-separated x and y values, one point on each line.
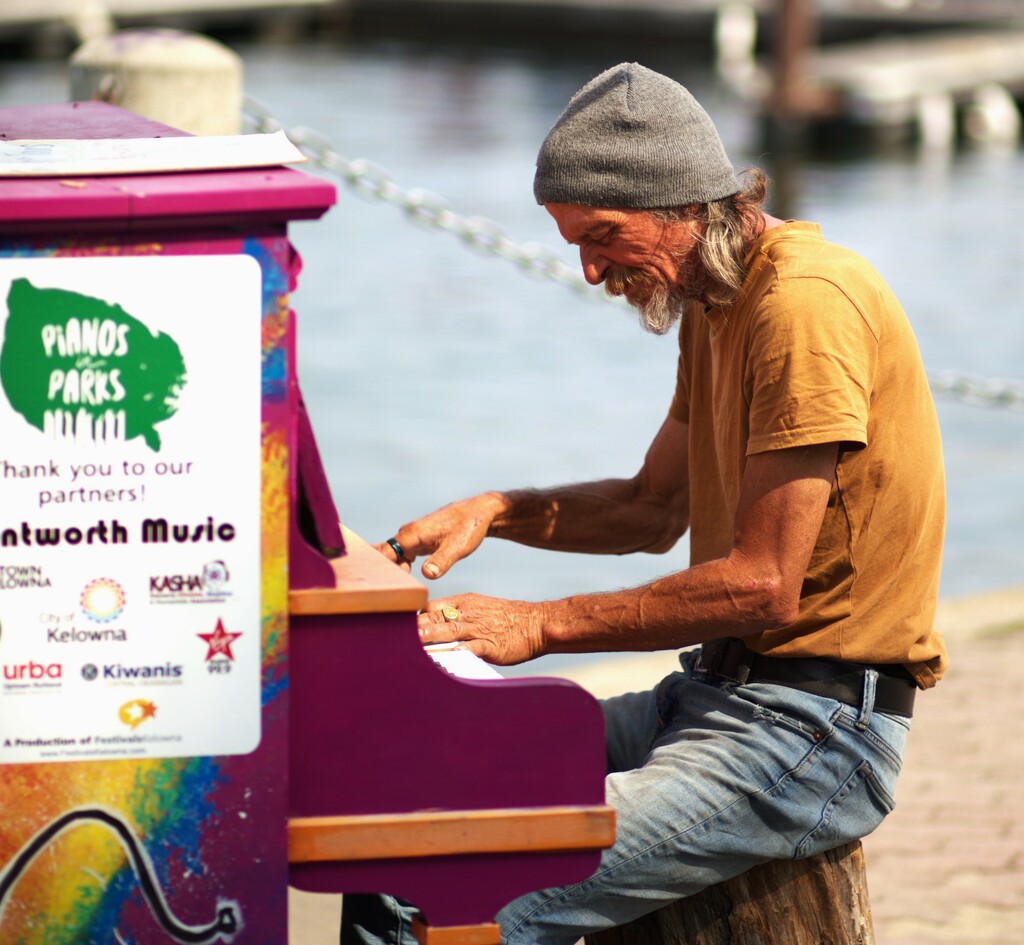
375	769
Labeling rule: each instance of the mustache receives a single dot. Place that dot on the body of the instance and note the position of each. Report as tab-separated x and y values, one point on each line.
619	278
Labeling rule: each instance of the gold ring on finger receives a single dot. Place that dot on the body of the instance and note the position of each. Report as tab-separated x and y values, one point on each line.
450	613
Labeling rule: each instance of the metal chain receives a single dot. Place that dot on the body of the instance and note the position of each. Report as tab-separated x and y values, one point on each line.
371	182
978	391
484	236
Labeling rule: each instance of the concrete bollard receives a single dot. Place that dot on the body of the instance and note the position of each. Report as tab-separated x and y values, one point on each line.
992	116
182	79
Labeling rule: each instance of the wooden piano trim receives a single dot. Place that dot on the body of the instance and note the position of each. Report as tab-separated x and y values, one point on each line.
442	833
487	933
367	583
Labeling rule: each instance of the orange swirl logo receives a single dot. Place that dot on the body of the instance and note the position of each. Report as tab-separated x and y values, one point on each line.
134	713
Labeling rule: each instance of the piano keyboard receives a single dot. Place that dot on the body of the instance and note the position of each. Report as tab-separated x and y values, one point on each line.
461	662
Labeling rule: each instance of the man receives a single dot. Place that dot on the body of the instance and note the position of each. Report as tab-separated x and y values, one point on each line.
801	450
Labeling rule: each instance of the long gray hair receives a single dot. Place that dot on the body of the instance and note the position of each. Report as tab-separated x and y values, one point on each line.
729	227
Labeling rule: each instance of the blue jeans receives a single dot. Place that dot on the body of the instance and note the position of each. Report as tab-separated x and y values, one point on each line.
708	779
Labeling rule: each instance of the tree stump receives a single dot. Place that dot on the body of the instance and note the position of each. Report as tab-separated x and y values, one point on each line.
822	900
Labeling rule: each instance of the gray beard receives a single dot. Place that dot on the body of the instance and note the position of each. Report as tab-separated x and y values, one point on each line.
665	304
662	310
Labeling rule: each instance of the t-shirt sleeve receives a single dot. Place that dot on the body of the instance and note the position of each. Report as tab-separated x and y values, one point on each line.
810	369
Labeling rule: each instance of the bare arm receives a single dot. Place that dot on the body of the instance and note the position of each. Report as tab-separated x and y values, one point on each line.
649	512
613	516
754	587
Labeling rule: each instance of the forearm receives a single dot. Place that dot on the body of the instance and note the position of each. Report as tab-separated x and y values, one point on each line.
728	597
756	585
724	597
611	516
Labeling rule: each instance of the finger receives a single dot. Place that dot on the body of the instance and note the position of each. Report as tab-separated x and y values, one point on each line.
441	618
393	550
437	565
413	539
443	610
433	628
481	648
433	569
448	553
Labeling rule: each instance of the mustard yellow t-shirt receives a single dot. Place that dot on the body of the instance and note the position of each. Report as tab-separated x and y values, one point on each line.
818	350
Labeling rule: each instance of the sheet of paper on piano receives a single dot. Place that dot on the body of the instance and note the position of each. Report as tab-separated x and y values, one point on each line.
461	662
57	157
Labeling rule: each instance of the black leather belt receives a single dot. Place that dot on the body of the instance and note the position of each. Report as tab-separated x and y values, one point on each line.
730	659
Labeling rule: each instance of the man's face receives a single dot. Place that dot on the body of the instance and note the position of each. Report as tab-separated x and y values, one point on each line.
647	260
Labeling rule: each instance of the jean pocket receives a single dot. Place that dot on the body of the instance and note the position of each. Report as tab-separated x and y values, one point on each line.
809	716
858	807
790	723
886	736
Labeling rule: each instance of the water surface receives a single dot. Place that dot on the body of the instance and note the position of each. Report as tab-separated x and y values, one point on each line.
432	372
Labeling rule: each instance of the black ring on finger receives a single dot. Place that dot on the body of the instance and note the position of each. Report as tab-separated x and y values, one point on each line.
397	549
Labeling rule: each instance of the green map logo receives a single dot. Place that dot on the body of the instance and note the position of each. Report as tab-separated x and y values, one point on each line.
84	370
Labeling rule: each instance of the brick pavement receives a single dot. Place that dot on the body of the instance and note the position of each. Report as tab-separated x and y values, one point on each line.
948	864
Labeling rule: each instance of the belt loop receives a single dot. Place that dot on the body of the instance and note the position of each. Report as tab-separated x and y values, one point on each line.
867	702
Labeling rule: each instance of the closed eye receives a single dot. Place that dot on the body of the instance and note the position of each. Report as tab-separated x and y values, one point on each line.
602	235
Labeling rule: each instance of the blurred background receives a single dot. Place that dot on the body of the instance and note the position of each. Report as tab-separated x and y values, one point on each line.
434	366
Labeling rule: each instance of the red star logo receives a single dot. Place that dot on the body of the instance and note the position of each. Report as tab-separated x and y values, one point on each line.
219	642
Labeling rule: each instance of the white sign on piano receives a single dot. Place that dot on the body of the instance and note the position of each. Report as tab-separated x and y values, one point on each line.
130	466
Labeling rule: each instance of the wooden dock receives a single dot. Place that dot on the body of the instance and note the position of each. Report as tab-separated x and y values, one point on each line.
936	88
938	83
691	21
52	25
26	12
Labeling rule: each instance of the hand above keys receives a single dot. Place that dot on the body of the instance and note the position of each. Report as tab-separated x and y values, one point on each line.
448	535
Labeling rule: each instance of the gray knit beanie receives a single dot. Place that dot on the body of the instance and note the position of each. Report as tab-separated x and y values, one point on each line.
633	138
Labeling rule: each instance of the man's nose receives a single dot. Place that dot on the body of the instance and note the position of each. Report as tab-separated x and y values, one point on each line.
594	265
